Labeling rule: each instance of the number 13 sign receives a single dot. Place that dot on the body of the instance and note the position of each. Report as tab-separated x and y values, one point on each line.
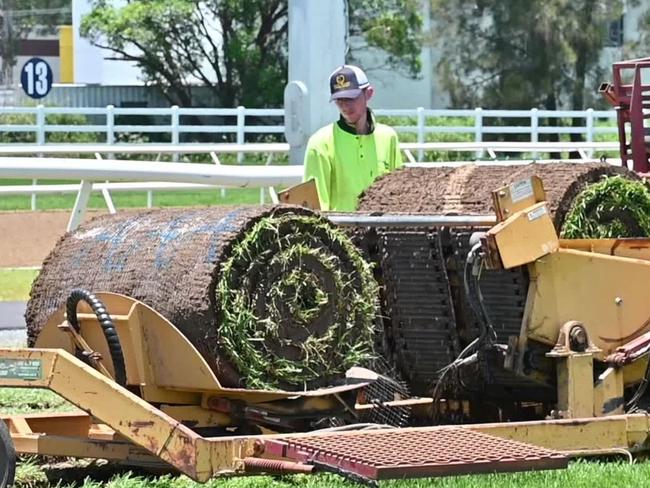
36	78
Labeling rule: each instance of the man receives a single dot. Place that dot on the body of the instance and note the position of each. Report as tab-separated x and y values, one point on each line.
347	156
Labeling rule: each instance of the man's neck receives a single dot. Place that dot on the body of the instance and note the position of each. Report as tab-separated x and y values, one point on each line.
362	125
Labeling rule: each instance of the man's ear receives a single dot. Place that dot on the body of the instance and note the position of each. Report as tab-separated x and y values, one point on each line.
370	91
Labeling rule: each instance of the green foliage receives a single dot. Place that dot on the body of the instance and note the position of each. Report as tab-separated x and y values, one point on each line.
22	137
29	474
443	136
171	41
614	207
30	400
393	26
287	275
516	55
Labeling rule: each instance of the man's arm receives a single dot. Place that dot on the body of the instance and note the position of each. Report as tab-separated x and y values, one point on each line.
318	167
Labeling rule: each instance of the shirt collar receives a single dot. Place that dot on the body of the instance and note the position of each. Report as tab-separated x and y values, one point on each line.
343	125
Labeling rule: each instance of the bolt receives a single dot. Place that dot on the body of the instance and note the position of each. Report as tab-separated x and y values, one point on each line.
618	300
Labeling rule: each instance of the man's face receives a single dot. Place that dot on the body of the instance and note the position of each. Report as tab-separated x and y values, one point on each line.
352	109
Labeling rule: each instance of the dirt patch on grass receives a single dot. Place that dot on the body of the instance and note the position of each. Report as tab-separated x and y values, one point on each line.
26	238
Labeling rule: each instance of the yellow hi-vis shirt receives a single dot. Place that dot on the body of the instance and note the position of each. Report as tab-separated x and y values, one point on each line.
345	163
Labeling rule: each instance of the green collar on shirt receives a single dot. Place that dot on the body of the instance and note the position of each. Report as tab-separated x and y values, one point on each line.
343	125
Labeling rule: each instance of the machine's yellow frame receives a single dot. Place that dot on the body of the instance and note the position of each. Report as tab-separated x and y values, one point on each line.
175	386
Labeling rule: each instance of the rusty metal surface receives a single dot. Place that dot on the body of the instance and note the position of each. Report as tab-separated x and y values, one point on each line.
412	453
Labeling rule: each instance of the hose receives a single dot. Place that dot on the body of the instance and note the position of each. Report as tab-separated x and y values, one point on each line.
104	319
473	267
633	405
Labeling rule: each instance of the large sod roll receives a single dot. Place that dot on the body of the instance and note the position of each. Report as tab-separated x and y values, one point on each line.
466	190
613	207
272	297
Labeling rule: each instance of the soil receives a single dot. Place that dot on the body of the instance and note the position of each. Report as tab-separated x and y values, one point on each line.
466	190
26	238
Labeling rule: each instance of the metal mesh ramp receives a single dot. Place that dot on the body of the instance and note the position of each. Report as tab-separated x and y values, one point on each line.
415	453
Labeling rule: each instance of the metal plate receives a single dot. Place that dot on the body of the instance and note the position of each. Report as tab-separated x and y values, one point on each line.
25	369
414	453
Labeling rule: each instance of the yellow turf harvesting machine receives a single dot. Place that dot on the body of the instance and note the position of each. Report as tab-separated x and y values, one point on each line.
146	395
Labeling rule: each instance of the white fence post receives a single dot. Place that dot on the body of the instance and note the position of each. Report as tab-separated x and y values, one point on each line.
478	129
175	122
534	128
241	130
40	140
40	125
110	124
590	129
420	111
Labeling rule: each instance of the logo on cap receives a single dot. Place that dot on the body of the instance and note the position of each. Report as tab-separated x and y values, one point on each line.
341	82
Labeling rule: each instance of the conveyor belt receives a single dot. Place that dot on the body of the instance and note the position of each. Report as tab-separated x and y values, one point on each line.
418	304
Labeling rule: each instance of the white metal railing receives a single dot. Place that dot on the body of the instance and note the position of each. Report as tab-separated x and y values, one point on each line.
270	150
156	175
90	171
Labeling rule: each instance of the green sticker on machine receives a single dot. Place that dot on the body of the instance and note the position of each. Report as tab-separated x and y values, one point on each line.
21	369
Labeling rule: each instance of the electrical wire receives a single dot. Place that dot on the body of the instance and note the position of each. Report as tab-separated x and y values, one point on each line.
633	405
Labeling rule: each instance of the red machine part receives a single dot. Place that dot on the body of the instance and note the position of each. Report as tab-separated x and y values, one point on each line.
630	351
414	453
630	100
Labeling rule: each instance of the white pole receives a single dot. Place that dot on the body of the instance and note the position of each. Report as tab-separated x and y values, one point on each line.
317	43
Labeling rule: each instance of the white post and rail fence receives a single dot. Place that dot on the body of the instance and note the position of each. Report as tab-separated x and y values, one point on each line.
238	163
111	125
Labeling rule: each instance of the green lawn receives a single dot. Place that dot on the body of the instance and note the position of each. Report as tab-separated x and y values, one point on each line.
132	199
16	283
580	474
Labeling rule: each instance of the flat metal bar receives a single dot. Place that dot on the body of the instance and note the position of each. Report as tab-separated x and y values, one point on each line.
395	220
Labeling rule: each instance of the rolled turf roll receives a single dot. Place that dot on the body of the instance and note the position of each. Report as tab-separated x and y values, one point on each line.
613	207
272	297
466	190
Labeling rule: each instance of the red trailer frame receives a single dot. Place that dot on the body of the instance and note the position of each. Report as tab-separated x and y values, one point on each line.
630	101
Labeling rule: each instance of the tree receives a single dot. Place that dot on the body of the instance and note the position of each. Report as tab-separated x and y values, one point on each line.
236	47
392	26
513	54
18	18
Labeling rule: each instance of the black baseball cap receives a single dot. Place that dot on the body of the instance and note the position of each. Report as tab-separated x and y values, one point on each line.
347	81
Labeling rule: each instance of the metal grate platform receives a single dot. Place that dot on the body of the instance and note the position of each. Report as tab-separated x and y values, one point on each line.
415	453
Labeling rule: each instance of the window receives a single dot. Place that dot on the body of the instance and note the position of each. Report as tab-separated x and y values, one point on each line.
615	33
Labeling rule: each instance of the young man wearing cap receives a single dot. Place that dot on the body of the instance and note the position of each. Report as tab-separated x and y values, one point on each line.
347	156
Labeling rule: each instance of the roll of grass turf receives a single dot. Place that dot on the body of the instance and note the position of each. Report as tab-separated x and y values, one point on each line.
272	297
467	190
613	207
